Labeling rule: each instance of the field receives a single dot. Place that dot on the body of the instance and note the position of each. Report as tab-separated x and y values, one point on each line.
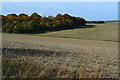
104	32
30	56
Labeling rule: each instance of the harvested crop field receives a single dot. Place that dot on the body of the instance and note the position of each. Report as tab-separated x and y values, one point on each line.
37	57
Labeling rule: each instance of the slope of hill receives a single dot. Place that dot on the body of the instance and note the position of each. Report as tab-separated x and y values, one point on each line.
38	57
107	32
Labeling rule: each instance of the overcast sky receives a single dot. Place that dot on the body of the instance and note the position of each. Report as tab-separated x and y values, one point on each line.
87	10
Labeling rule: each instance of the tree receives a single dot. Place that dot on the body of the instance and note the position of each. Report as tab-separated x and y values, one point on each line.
81	21
19	28
35	15
59	16
66	16
13	15
8	27
23	17
22	14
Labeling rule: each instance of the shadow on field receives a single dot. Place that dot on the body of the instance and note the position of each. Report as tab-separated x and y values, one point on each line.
32	52
86	26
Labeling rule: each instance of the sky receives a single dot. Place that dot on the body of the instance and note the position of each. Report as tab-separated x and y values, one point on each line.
60	0
88	10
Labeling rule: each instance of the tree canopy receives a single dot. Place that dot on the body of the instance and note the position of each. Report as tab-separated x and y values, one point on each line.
35	23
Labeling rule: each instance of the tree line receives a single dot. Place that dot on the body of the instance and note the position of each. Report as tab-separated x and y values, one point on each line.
97	22
35	23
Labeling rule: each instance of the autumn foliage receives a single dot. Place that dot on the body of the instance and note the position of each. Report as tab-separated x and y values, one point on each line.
35	23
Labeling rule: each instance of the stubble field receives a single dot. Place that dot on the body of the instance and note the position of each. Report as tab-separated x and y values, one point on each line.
27	56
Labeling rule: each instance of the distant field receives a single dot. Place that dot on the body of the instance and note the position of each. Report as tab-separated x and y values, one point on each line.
106	32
